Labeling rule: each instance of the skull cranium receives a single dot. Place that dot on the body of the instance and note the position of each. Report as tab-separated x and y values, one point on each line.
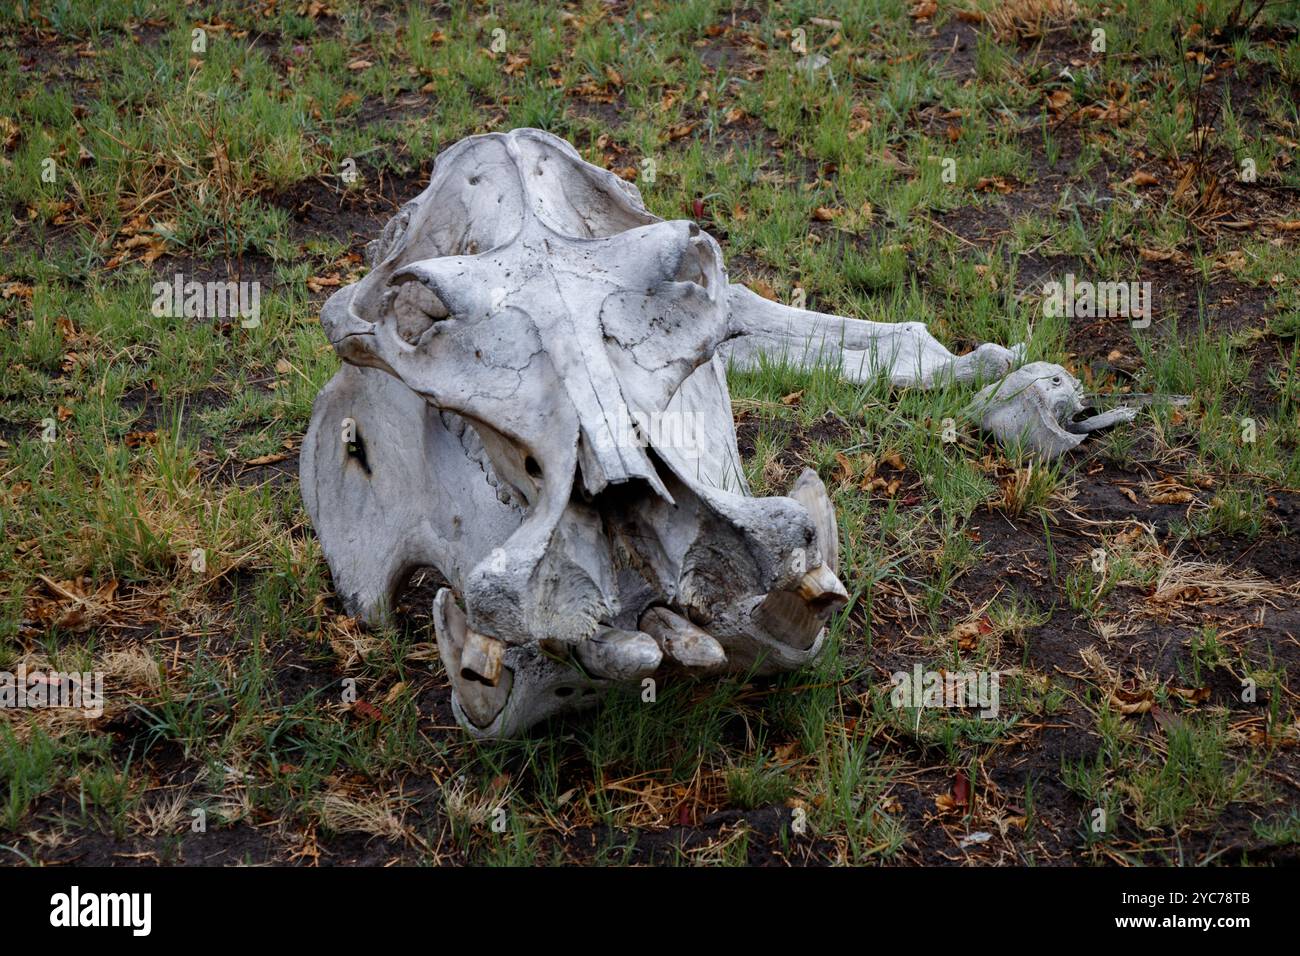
526	332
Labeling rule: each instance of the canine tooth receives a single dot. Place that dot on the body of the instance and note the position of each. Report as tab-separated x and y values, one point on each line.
795	617
620	655
480	703
810	492
480	660
681	640
820	587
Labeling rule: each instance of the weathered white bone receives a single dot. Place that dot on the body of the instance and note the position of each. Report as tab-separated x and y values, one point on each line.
1036	404
534	402
904	352
810	492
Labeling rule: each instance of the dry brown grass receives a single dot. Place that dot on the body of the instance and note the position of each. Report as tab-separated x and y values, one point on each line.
375	815
1029	19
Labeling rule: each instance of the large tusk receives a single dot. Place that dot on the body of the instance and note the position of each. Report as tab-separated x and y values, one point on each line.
810	491
796	617
481	703
620	655
682	641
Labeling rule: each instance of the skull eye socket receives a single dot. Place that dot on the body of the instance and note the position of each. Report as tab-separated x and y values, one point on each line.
416	308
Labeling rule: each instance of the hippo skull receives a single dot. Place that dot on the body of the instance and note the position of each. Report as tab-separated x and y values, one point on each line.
534	401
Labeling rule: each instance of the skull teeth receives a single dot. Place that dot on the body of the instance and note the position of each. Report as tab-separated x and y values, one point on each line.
796	617
682	641
822	589
481	658
620	655
480	702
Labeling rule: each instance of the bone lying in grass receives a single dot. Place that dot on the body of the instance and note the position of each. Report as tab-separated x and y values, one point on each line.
535	403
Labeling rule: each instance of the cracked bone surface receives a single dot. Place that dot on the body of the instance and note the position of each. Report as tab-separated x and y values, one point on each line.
534	402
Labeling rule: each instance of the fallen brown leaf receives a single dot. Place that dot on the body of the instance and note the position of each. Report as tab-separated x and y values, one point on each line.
1141	178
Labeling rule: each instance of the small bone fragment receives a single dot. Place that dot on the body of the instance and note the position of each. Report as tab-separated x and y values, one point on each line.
1036	405
1102	420
682	641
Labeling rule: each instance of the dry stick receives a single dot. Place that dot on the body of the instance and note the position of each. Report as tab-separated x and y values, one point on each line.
941	226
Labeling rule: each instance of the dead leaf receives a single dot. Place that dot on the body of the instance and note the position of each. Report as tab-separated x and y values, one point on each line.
1234	260
367	711
9	131
890	159
1058	100
1168	492
1141	178
266	459
1130	704
967	634
319	283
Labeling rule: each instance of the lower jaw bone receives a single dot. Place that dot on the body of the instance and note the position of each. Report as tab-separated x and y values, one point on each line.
531	686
